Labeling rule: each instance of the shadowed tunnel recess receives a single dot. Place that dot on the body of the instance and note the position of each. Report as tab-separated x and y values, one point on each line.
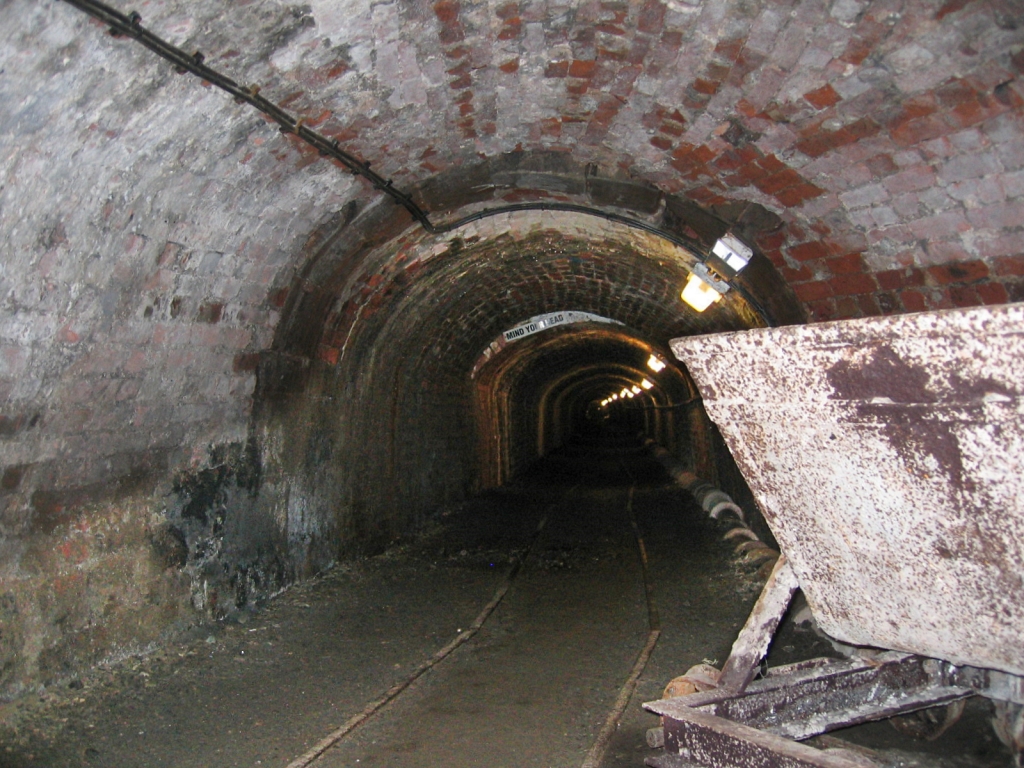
391	388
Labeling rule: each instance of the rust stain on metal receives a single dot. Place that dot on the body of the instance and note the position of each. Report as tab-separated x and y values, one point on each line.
883	387
883	374
693	737
801	700
887	454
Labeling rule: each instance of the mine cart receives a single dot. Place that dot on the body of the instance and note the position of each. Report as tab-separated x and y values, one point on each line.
887	456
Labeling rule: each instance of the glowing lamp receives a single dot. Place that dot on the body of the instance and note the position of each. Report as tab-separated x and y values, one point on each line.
708	280
700	292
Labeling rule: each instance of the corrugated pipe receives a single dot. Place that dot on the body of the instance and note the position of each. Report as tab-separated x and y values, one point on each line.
718	505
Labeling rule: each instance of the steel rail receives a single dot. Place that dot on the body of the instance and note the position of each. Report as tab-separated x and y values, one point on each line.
595	756
314	753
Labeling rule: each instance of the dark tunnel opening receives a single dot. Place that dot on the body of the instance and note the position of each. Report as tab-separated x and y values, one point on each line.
443	366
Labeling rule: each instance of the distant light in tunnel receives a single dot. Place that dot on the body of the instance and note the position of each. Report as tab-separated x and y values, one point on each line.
655	363
635	390
646	384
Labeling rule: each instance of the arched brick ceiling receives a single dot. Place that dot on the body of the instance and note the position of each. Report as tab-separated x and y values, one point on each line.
456	302
392	369
154	230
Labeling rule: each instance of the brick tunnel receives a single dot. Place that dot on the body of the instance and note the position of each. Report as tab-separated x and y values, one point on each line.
228	365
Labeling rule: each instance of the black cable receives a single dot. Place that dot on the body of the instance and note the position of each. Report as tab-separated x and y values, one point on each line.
131	26
684	404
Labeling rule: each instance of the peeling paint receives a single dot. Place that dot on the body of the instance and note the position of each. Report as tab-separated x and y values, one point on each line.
888	457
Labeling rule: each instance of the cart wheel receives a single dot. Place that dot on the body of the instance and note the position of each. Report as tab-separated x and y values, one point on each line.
929	724
698	678
1008	724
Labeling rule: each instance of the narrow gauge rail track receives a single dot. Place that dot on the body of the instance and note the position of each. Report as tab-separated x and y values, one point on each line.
529	555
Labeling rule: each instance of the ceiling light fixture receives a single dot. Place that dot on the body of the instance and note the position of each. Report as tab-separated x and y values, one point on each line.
702	289
730	255
709	280
655	363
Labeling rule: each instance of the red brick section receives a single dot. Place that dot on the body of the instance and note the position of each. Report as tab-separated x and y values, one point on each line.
608	58
511	22
547	271
451	35
821	276
930	182
897	144
823	97
723	169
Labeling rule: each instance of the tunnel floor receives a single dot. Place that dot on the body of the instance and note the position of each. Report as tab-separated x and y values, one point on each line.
533	687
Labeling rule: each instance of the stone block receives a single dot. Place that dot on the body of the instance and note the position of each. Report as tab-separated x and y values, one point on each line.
971	166
869	194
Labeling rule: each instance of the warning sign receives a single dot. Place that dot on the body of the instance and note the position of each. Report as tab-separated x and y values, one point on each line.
550	320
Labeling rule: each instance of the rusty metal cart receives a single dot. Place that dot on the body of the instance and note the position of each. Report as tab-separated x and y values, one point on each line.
887	456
